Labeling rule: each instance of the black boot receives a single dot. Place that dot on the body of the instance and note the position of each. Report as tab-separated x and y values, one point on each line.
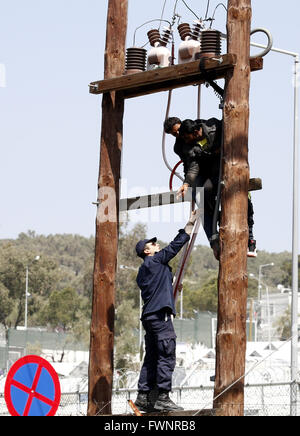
165	403
143	403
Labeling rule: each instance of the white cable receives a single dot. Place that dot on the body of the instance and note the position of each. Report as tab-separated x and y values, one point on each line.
270	41
164	138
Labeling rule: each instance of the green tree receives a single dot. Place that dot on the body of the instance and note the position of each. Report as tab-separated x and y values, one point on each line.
126	337
6	305
201	299
62	309
43	277
287	273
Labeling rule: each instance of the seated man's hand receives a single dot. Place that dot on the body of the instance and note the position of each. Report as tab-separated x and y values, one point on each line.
182	190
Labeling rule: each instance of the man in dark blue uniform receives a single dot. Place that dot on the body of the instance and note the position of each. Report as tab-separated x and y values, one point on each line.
155	281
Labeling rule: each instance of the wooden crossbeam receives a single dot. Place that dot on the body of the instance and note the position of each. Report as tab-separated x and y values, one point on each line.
255	184
204	412
176	76
161	199
165	198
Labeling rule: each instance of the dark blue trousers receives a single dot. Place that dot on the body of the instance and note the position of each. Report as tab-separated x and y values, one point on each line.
160	357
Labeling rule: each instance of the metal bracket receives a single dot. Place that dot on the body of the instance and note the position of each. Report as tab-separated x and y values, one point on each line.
220	60
94	86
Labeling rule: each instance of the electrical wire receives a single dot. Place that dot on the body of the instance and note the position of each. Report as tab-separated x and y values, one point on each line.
99	411
144	24
207	9
214	13
183	1
164	138
175	7
187	6
162	13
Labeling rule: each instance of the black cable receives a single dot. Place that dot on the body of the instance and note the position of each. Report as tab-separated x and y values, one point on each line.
218	90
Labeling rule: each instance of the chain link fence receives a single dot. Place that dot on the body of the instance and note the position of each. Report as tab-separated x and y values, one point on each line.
260	400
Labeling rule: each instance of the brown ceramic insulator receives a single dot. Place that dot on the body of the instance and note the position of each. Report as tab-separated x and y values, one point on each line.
154	36
184	30
135	60
165	37
210	43
196	33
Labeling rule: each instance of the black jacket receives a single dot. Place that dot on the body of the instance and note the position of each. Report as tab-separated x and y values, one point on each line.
201	158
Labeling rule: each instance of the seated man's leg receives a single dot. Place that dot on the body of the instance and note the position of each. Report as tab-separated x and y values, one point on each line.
210	192
206	184
209	207
251	241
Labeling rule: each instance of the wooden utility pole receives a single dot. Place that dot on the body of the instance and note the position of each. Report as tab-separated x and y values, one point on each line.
233	280
107	221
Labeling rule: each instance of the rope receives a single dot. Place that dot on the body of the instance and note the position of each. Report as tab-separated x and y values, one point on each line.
164	138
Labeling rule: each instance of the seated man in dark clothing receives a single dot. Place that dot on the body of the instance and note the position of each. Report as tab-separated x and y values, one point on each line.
198	144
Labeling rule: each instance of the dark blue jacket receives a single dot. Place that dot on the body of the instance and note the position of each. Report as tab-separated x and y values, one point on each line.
155	277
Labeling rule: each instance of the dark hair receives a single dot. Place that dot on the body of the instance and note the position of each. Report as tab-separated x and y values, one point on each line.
170	122
187	126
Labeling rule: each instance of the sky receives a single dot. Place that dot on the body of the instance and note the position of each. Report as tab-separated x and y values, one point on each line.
50	125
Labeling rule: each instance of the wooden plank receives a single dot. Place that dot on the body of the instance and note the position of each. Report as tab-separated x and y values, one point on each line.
203	412
176	76
169	197
145	201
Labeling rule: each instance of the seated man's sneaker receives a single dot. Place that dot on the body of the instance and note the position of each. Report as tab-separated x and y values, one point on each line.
252	248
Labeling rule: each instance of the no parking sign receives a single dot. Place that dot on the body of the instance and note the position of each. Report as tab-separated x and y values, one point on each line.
32	388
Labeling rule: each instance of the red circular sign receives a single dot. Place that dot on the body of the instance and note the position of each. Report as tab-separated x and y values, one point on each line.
32	388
